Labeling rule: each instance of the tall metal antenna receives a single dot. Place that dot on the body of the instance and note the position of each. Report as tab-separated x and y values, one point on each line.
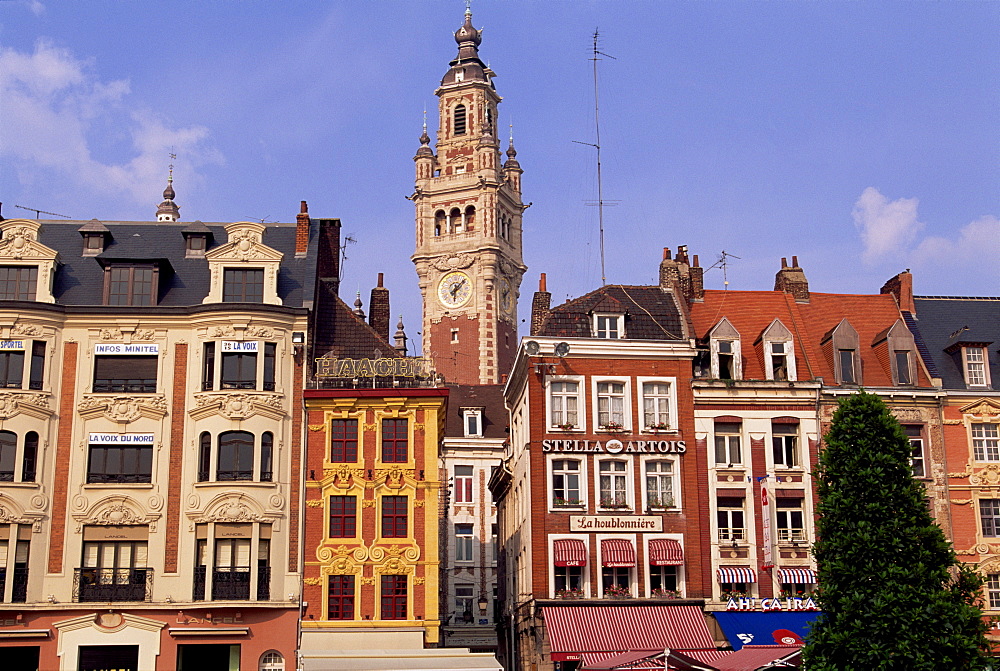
597	146
723	262
41	212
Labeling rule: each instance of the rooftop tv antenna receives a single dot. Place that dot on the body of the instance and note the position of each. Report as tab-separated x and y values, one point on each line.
723	262
597	145
38	212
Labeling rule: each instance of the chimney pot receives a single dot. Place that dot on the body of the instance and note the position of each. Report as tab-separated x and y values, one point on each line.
380	277
784	262
795	262
541	282
696	263
666	253
303	208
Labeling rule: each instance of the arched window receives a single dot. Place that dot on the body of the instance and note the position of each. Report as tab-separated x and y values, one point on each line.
439	222
271	661
8	452
266	456
235	456
455	221
205	457
30	458
460	124
470	217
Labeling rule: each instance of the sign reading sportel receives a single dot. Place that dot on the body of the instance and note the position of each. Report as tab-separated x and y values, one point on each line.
616	446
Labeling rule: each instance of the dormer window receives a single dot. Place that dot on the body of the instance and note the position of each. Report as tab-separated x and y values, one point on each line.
18	283
472	421
977	373
724	343
609	326
244	269
93	243
903	373
779	352
95	237
243	285
844	344
900	348
130	284
195	244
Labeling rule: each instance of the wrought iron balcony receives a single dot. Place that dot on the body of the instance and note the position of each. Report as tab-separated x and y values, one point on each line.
112	584
19	590
232	584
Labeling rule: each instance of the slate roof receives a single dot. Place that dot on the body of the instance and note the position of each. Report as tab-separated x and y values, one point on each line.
79	279
351	336
942	322
751	312
487	396
650	313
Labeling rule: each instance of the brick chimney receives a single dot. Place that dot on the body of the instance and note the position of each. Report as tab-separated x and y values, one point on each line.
697	282
678	273
901	286
792	280
378	309
302	230
540	304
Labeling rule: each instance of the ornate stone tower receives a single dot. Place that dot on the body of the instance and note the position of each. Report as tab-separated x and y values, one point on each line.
468	215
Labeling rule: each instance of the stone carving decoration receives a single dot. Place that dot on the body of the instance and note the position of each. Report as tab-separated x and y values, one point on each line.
368	581
342	476
368	503
231	508
984	408
988	476
143	334
398	552
259	332
111	334
961	502
238	406
222	332
419	580
312	581
326	553
22	329
316	427
114	511
394	566
17	242
30	403
115	514
122	409
314	503
453	261
394	476
276	501
244	245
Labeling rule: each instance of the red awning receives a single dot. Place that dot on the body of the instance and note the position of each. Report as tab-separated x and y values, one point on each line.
758	656
617	553
796	576
665	552
569	552
736	574
574	630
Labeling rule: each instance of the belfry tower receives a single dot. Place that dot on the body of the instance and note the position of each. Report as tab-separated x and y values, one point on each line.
468	216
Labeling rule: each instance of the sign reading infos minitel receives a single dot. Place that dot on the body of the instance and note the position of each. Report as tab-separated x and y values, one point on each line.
769	604
616	446
351	368
147	349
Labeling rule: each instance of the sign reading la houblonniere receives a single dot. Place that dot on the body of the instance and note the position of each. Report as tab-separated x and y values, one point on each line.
616	446
597	523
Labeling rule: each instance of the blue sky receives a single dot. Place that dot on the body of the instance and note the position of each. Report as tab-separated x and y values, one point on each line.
862	137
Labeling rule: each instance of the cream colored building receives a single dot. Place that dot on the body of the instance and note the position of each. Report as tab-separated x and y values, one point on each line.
150	442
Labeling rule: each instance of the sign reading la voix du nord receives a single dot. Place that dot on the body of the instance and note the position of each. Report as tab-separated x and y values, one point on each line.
615	446
599	523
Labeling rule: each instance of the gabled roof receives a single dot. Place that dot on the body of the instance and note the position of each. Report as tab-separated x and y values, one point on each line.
650	313
353	337
489	397
941	323
751	312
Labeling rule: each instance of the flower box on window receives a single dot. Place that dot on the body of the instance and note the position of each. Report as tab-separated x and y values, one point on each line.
616	502
565	427
662	427
559	502
665	594
576	593
616	592
654	502
734	594
612	427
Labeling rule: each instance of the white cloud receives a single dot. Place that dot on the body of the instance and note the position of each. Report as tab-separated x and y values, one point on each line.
885	226
53	100
977	248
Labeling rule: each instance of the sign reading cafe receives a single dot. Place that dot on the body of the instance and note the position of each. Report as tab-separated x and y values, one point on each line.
616	446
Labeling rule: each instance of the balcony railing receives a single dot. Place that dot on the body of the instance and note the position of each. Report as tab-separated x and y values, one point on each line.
19	590
791	535
232	584
112	584
732	534
138	386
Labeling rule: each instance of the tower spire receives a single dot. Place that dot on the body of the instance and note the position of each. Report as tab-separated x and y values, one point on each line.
168	209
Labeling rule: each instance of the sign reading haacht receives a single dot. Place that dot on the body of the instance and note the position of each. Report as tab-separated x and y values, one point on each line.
401	367
594	523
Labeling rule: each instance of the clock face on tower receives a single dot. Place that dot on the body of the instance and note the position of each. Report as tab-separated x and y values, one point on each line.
506	296
454	289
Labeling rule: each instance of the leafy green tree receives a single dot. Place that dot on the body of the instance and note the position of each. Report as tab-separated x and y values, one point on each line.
892	592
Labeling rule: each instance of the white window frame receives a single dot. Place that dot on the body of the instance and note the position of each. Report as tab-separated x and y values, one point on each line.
646	539
628	494
632	571
776	435
991	583
550	485
744	535
789	354
785	531
472	414
917	449
612	323
989	441
581	406
976	355
674	478
468	540
626	383
725	332
671	383
743	448
460	481
584	570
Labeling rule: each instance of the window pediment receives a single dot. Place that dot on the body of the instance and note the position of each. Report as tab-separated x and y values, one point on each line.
245	250
19	246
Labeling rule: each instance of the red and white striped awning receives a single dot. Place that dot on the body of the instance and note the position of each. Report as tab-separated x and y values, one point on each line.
569	552
617	553
796	576
665	552
737	574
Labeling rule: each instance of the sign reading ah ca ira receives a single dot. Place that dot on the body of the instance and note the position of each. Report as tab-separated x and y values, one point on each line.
769	604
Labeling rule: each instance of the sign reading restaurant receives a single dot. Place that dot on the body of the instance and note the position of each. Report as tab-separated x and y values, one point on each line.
596	523
616	446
